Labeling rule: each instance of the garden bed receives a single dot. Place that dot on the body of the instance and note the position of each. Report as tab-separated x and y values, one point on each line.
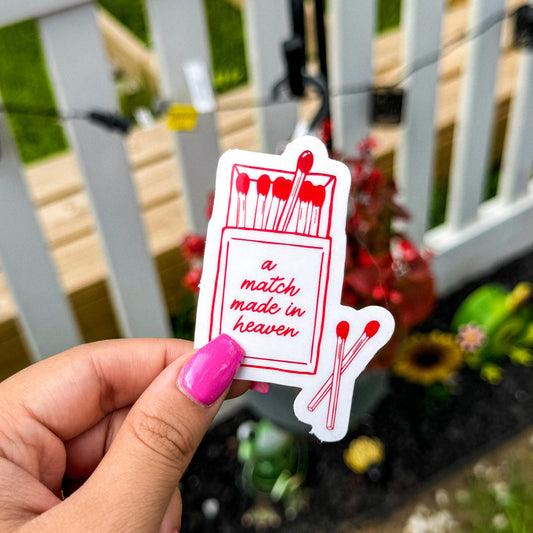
424	439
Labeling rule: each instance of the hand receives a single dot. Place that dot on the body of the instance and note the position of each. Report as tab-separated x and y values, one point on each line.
114	424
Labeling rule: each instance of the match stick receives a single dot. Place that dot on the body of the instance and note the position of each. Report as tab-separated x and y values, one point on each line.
281	189
343	328
263	186
370	330
317	199
304	198
303	167
242	184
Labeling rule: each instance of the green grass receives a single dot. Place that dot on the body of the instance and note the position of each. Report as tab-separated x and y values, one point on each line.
440	193
24	82
501	506
388	15
224	21
131	14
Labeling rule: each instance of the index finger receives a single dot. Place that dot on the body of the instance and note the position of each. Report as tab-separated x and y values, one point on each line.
72	391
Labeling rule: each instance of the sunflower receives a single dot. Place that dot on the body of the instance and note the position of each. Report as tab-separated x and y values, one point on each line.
428	359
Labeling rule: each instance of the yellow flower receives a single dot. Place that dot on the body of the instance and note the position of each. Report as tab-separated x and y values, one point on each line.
427	359
364	452
519	295
491	373
521	356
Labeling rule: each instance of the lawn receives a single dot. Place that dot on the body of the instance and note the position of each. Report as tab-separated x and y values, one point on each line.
24	84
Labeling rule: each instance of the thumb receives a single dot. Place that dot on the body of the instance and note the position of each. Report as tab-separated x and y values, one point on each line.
138	476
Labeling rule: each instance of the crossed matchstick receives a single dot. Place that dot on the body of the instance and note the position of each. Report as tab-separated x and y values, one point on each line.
341	363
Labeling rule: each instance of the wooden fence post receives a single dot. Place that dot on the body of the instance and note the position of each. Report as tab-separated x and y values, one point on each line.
350	53
82	79
474	129
45	315
517	165
421	23
267	26
180	36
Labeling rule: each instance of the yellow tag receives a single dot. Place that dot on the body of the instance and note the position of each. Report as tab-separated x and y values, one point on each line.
181	117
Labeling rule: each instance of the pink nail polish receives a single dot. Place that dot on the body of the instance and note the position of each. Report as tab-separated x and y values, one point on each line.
207	375
260	386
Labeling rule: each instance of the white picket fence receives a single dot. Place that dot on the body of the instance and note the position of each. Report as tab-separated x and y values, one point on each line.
475	237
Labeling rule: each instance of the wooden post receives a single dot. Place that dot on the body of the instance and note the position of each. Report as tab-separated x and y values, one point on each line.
517	163
82	78
180	35
267	27
421	22
45	315
474	129
350	70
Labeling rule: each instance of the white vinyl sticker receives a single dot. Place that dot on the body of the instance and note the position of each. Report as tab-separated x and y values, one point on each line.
273	275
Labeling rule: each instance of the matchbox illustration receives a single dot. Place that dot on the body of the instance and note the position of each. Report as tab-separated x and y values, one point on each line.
272	279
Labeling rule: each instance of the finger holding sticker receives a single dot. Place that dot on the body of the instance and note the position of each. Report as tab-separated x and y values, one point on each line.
273	274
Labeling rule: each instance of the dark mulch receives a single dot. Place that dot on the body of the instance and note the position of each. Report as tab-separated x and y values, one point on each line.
423	442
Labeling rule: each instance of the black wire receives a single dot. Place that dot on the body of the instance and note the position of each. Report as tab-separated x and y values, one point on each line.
111	121
116	122
434	57
36	111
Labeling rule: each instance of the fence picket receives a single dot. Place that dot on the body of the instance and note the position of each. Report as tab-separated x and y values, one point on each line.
517	162
180	35
45	315
267	26
474	130
82	78
421	22
350	53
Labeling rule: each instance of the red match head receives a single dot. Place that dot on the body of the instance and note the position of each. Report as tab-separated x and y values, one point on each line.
306	192
305	161
343	328
282	188
263	184
243	183
371	328
318	195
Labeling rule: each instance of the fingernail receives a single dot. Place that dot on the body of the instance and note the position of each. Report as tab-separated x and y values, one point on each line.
260	386
210	371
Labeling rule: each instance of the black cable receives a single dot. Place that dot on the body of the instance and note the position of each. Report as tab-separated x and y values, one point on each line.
448	47
111	121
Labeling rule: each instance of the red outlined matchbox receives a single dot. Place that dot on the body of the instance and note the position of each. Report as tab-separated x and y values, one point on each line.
260	292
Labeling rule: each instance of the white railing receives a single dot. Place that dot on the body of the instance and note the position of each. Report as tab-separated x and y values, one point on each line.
475	236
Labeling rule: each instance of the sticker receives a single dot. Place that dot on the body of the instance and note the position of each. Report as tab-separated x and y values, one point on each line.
273	275
181	117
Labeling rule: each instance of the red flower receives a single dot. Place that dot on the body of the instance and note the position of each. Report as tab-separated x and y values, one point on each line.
193	247
210	204
382	267
192	279
325	131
